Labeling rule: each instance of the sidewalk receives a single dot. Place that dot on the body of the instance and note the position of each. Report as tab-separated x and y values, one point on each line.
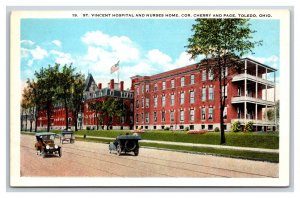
197	145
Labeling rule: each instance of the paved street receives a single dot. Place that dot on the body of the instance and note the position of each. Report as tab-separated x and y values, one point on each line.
94	159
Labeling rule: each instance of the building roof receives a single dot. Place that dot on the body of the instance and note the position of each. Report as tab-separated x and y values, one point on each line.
188	68
89	80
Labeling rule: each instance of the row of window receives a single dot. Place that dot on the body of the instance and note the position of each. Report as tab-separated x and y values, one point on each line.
182	82
181	98
181	115
181	127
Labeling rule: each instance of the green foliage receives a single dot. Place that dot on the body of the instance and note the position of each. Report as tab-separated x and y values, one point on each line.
186	128
236	126
56	85
223	42
217	129
167	129
248	127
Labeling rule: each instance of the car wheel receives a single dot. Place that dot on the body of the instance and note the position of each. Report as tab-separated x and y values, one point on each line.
136	152
59	152
43	154
119	150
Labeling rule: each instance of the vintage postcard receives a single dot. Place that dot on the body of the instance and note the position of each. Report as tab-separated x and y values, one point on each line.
136	97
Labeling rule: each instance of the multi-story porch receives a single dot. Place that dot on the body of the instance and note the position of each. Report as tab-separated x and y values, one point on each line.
253	94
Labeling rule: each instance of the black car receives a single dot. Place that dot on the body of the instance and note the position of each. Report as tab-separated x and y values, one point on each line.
45	144
125	144
67	137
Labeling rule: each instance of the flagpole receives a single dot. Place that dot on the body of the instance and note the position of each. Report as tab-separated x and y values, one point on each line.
118	73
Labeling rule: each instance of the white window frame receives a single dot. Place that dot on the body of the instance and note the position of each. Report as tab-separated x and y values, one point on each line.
192	79
181	115
172	102
163	100
210	113
155	101
203	113
204	75
172	118
192	115
163	116
192	97
182	79
203	91
147	102
173	83
182	98
210	93
164	85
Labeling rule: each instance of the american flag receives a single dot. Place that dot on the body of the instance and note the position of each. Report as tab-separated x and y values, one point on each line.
114	68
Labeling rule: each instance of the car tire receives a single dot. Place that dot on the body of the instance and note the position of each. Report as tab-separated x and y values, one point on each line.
59	152
43	154
136	153
119	150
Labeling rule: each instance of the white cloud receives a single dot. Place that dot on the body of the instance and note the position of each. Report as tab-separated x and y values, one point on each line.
25	53
27	42
56	42
121	47
61	57
38	53
184	59
157	57
272	61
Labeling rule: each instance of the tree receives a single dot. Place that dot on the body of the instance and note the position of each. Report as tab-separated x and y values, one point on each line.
98	108
223	42
36	98
47	85
28	106
77	96
65	80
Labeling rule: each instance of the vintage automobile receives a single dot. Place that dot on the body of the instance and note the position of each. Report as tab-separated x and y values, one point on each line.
125	144
67	136
45	144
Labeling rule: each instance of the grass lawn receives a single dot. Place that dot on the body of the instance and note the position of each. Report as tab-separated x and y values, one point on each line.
254	140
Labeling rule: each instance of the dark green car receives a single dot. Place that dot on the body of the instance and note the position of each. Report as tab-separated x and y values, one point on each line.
125	144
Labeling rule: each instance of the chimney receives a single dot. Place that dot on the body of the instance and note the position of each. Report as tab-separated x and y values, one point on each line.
112	84
121	85
99	86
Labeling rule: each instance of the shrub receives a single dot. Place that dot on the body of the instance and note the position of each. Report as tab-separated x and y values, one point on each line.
249	127
186	128
167	129
236	126
217	129
197	132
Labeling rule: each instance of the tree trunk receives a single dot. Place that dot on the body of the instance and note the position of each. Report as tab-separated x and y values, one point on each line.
222	140
75	120
31	120
67	112
36	119
26	122
22	125
48	117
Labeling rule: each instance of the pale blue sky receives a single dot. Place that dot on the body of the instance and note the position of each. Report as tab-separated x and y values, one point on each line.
143	46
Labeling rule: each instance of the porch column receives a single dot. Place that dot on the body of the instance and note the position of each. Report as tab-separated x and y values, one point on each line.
275	102
266	84
245	93
256	90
